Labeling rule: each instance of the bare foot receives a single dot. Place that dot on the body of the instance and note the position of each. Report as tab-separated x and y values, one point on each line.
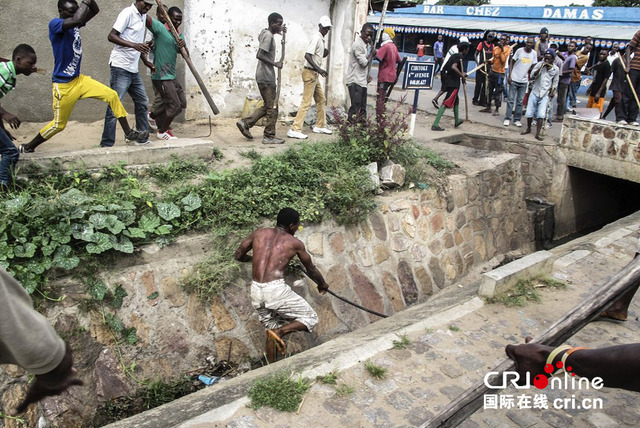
530	357
282	347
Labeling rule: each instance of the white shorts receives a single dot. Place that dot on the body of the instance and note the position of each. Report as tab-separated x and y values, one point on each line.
278	305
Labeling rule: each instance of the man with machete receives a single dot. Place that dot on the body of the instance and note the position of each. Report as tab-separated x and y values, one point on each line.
280	310
312	87
266	79
163	76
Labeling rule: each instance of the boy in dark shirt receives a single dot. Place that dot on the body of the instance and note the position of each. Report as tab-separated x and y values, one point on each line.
451	75
598	88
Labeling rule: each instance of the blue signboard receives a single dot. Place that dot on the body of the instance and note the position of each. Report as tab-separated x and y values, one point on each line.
418	75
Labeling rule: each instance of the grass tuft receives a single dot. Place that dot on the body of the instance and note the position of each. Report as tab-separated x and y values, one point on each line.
526	291
402	343
279	391
330	378
376	371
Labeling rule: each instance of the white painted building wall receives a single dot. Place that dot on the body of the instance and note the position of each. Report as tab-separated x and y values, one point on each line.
223	40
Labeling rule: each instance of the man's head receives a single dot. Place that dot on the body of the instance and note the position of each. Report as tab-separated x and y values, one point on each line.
275	21
366	34
67	8
289	220
571	47
602	55
439	38
528	46
175	14
159	13
588	40
504	40
24	59
549	56
587	48
421	42
144	6
544	33
614	48
463	47
490	36
324	25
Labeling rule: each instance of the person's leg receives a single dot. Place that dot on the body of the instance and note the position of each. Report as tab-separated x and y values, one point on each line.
479	89
260	112
138	94
634	79
436	123
172	103
521	90
321	106
120	81
620	110
511	100
380	99
158	108
573	91
352	99
358	103
10	156
562	100
310	80
271	114
90	88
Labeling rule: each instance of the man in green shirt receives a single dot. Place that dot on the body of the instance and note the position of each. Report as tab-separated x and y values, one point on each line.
23	61
163	74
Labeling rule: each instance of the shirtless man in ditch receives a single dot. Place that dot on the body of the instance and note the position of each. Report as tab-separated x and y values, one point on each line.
280	310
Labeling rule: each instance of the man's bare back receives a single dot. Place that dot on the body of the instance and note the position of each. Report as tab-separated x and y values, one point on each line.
273	248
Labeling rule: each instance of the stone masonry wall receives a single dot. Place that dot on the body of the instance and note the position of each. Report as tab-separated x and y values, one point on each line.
415	244
602	147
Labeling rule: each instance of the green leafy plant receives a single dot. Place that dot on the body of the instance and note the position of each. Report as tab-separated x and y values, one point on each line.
402	343
330	378
279	391
376	371
454	328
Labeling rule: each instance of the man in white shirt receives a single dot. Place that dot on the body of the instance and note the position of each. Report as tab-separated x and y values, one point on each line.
312	87
128	36
518	77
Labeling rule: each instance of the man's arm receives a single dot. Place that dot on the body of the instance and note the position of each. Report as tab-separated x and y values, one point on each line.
245	246
312	271
86	11
13	120
114	37
361	55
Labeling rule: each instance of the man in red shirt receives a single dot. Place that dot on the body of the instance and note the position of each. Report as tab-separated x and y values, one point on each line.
420	50
388	56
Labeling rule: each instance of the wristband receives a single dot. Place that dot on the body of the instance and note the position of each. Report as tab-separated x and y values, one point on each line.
555	353
569	352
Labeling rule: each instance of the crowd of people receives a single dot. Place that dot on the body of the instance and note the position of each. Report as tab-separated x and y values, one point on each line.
538	78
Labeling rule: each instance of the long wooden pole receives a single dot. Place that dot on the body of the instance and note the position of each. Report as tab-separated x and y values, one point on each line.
187	59
284	41
464	91
379	33
572	322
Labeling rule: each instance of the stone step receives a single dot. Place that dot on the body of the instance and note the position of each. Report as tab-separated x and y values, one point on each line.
96	158
503	278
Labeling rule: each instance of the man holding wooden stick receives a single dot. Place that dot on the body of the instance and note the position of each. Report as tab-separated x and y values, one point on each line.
163	76
632	67
266	79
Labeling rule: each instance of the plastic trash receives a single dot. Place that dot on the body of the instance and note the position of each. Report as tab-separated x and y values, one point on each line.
208	380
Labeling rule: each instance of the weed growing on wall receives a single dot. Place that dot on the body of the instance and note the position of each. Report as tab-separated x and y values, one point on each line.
280	391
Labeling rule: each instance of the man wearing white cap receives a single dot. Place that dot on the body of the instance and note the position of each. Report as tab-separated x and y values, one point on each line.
312	87
452	51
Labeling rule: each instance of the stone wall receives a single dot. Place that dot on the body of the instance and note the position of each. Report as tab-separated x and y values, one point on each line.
415	244
602	147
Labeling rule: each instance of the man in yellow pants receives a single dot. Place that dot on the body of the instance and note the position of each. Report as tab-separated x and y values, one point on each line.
312	87
69	85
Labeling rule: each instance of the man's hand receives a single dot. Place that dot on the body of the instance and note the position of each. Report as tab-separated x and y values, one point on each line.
142	48
12	119
150	66
322	72
369	79
278	64
596	98
53	383
552	93
181	44
322	288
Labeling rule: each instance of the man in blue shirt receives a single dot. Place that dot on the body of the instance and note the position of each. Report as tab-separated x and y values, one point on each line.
69	85
438	53
23	61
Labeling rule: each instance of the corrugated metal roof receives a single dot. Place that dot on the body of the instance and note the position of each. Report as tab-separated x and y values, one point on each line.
566	28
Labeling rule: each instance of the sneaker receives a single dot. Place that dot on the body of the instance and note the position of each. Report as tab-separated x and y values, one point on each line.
506	122
634	123
244	129
547	126
321	131
295	134
25	149
274	140
165	136
435	103
458	123
622	122
137	138
485	110
518	123
436	128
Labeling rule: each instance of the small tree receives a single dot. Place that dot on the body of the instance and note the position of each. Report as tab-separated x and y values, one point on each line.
462	2
616	3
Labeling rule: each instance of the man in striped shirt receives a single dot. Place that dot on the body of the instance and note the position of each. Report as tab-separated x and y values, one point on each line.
23	61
